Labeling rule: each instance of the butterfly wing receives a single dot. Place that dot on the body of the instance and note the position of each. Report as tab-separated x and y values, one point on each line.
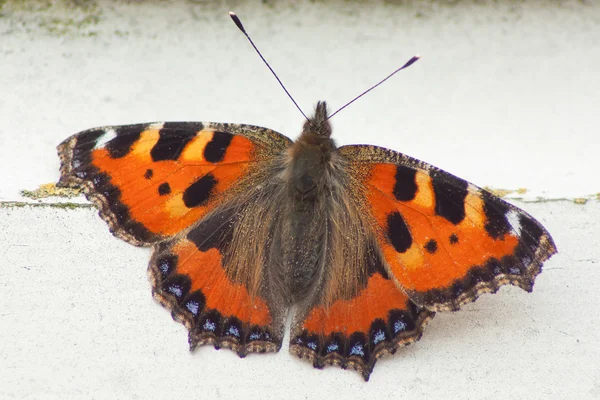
214	277
355	331
151	181
201	194
355	312
445	241
431	242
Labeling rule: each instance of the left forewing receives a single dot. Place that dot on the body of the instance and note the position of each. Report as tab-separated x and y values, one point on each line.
444	240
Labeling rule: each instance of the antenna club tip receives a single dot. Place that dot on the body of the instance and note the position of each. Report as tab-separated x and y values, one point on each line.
237	21
417	56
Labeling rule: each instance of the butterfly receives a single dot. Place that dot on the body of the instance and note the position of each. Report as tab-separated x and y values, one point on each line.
362	243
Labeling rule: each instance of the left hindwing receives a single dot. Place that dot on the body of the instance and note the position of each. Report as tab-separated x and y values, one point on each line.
444	240
151	181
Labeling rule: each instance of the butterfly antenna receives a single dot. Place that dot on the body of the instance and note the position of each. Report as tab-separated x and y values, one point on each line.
406	65
238	23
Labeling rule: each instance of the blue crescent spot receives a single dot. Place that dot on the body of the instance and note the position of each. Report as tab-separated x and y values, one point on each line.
164	267
209	325
193	306
332	347
234	331
357	350
379	337
399	326
176	290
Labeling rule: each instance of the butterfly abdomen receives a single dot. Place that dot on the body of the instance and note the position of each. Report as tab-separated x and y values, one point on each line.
324	233
307	181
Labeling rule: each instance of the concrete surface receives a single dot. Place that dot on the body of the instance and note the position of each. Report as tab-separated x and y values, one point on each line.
506	95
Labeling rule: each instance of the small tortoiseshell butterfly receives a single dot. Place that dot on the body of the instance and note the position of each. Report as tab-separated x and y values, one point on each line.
366	242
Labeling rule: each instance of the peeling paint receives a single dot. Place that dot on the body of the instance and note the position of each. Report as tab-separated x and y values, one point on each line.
50	190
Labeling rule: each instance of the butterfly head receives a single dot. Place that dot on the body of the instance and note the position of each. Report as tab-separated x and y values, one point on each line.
318	125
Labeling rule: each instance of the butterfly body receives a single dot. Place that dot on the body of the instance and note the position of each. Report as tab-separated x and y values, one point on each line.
365	243
313	181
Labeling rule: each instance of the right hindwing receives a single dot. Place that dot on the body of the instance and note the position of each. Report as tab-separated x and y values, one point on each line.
216	277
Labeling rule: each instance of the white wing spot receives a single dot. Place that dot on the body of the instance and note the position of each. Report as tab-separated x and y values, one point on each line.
156	125
109	134
513	219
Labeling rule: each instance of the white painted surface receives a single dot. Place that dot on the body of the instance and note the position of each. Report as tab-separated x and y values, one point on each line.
78	321
505	95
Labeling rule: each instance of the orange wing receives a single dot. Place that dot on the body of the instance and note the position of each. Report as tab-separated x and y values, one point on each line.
192	276
444	240
355	331
434	242
151	181
195	191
